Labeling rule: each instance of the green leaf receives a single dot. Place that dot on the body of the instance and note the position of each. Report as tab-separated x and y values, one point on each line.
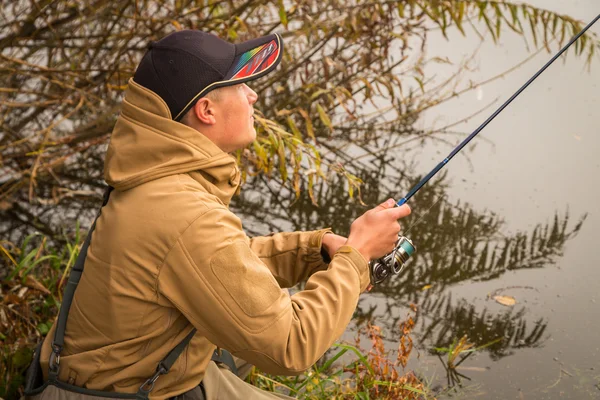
294	128
498	22
486	19
533	30
260	152
43	328
282	163
232	33
562	34
458	18
333	359
282	14
317	93
590	55
362	395
22	357
362	358
421	85
400	7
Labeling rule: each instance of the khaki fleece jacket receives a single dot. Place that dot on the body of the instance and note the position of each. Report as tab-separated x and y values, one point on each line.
168	256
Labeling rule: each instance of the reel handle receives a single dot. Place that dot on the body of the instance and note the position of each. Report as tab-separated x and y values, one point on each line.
392	263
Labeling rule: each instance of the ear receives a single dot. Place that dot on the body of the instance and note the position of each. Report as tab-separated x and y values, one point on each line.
204	110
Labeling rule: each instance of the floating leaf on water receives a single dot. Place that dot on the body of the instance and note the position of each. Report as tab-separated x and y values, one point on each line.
505	300
477	369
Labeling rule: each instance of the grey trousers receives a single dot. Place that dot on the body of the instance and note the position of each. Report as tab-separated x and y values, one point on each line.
220	383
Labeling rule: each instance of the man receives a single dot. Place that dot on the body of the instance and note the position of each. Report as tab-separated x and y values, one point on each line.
167	256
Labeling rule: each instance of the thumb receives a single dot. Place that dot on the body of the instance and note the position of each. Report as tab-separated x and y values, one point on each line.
389	203
398	212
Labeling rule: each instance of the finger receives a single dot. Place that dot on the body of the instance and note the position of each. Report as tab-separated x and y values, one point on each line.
398	212
389	203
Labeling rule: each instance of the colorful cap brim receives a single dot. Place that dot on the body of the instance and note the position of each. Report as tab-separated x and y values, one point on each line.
253	59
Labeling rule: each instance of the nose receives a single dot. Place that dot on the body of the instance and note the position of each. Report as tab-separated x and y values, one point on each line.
251	94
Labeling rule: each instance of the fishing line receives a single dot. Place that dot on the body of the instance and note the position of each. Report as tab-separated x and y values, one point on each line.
441	197
458	148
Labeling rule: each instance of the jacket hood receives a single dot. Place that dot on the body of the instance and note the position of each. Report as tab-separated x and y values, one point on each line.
147	144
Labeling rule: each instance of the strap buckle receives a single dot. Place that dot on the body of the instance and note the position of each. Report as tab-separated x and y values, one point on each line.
150	382
54	361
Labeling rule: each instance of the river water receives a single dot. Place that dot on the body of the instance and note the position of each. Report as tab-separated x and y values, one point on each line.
516	214
538	159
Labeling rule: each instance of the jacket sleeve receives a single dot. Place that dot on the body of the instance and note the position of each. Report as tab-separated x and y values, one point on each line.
215	279
291	256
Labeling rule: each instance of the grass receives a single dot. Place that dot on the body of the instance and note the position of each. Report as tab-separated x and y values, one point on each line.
458	348
31	293
353	373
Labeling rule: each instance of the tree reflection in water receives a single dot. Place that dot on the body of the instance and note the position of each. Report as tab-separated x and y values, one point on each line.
455	243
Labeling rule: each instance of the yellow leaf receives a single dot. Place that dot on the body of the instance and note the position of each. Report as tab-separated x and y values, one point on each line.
318	93
324	117
282	163
505	300
282	113
116	87
426	287
176	24
294	128
232	33
8	255
309	127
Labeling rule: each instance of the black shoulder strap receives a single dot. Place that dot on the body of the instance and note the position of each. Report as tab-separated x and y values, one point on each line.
59	336
165	365
224	357
74	276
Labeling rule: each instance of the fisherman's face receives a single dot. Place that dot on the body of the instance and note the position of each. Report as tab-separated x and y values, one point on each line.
235	114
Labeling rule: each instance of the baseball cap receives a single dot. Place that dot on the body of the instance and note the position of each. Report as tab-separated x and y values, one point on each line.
185	65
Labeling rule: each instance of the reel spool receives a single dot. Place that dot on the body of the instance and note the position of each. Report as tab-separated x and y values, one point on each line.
392	263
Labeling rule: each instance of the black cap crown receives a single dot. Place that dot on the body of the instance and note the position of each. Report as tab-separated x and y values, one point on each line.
186	65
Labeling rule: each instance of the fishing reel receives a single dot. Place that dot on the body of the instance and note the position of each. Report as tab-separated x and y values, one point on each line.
392	263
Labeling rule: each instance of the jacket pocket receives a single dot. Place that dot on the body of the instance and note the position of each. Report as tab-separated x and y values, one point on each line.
247	280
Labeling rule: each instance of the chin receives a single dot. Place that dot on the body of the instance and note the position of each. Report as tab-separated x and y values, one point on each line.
242	144
251	135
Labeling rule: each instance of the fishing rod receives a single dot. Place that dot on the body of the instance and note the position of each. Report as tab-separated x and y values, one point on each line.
394	262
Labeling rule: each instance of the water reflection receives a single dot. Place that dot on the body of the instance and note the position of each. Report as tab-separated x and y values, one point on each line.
455	242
